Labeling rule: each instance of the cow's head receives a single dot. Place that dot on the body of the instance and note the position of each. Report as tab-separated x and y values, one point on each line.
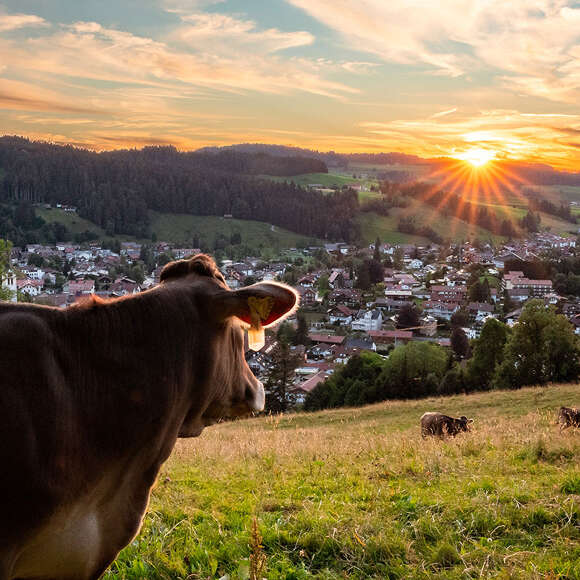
463	423
230	389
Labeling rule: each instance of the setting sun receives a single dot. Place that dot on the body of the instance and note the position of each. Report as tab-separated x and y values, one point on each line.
476	157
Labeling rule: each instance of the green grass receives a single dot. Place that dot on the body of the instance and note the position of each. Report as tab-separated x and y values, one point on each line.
373	225
71	221
180	228
324	179
357	493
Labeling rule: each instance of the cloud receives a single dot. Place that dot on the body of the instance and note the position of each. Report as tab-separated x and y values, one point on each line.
223	33
532	48
443	113
10	22
24	96
89	51
509	132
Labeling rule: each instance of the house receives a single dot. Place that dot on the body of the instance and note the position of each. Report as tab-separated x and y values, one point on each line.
307	281
440	309
308	385
307	295
326	339
368	320
511	318
455	294
123	287
519	295
535	287
383	338
30	287
78	287
336	279
428	326
479	310
340	314
349	297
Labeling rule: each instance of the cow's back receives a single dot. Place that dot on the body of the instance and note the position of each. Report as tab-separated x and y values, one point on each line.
432	423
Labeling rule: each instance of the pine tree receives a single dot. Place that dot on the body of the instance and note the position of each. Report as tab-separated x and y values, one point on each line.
377	252
279	397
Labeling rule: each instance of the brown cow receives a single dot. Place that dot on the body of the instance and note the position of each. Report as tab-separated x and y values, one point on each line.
93	398
441	425
568	417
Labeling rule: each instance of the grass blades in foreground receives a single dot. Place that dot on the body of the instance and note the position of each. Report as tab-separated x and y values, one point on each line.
357	493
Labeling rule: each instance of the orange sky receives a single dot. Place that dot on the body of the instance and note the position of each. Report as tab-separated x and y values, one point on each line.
431	79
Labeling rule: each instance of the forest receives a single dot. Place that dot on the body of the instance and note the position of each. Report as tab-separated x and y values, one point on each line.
116	189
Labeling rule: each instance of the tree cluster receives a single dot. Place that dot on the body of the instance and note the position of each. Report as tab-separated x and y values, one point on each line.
542	348
117	189
408	225
562	211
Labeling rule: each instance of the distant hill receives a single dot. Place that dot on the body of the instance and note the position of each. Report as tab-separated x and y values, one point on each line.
533	174
330	158
117	189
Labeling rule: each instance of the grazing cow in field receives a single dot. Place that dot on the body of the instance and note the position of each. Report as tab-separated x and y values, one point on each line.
441	425
568	417
93	398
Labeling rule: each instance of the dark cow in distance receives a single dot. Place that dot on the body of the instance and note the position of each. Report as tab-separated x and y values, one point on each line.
441	425
93	399
568	417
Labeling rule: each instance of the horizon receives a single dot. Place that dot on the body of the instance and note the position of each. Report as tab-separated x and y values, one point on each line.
458	79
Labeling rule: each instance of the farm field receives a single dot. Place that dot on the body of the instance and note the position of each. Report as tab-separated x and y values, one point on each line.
357	493
324	179
73	222
180	228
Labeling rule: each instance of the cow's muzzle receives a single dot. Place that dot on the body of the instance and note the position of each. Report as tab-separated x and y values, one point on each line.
256	398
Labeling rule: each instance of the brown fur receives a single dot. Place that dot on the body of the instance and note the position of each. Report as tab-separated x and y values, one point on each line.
92	400
441	425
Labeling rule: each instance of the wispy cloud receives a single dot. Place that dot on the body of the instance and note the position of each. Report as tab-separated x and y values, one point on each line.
10	22
443	113
207	31
532	48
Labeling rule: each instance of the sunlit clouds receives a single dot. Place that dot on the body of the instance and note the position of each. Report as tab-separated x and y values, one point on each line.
432	79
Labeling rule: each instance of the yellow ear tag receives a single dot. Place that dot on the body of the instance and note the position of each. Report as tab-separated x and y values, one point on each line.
259	310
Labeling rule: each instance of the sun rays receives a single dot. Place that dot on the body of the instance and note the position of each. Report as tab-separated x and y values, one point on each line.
477	157
477	187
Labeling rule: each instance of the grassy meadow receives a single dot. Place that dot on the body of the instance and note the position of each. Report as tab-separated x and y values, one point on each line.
180	229
357	493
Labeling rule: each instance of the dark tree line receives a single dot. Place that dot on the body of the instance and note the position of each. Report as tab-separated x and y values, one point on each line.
408	225
116	189
561	211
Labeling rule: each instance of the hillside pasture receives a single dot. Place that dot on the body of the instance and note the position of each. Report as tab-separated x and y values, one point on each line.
72	221
357	493
180	229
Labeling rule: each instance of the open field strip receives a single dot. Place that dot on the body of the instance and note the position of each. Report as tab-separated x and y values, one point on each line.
357	493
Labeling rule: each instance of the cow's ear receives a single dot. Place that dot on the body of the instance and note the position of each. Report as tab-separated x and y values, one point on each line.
261	304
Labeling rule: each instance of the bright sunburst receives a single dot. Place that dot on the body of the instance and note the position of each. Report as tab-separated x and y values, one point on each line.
476	157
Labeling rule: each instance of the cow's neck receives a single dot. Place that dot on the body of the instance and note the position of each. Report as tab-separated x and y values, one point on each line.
135	362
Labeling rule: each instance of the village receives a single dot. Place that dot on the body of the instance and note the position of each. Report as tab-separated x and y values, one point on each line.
423	294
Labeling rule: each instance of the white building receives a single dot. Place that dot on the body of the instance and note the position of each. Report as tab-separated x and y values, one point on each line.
370	320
